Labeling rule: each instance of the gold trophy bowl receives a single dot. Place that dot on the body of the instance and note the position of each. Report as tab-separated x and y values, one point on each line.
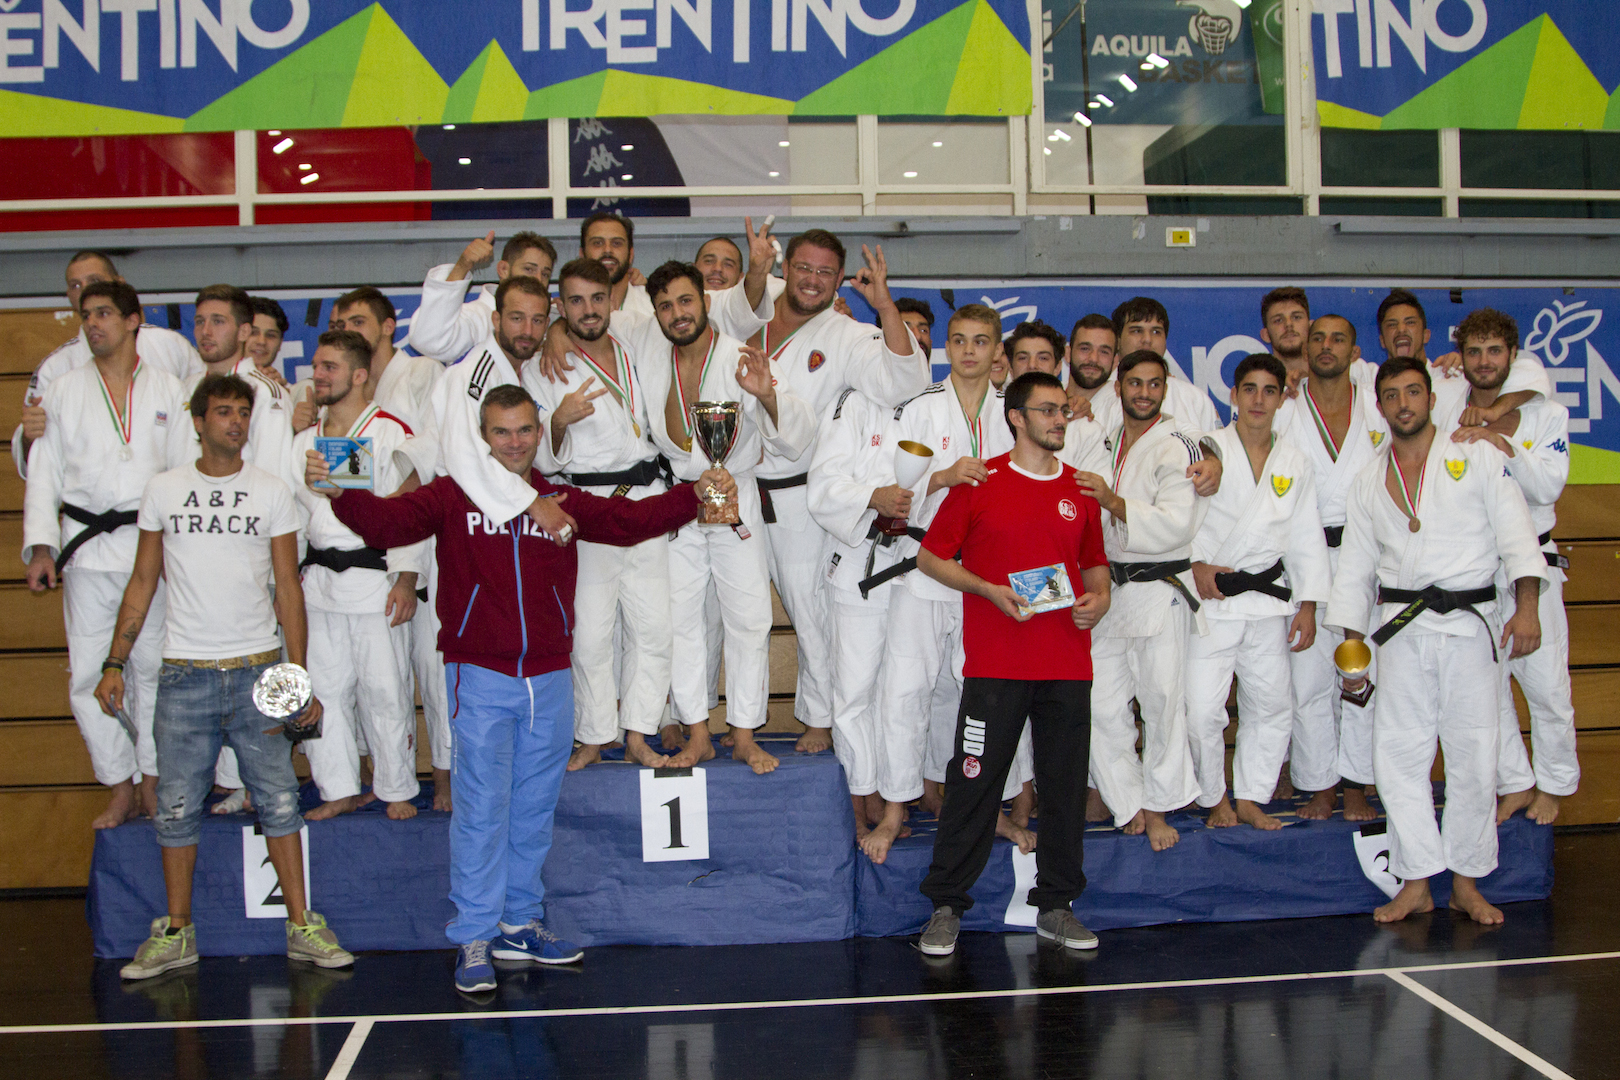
1352	659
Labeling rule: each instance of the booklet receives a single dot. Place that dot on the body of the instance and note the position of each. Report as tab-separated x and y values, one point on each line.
1045	588
350	460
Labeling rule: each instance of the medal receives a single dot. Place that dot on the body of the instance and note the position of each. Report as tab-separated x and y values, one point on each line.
1407	493
635	427
1414	525
122	424
680	393
125	453
625	393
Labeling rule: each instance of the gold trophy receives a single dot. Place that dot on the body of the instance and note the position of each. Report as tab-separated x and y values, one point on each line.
1353	658
715	425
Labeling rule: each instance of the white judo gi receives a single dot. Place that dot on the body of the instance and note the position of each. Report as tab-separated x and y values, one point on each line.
358	663
449	322
853	458
1438	677
718	555
631	583
159	349
1139	649
1251	525
81	461
1185	405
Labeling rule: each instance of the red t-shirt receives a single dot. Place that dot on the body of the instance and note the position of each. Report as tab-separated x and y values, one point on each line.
1011	522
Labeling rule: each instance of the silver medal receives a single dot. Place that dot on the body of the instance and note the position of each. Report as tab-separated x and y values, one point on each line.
125	453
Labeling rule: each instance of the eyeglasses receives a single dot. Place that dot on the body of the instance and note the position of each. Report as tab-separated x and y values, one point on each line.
1048	411
815	271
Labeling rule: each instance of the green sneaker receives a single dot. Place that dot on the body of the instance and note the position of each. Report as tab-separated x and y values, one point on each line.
315	942
163	951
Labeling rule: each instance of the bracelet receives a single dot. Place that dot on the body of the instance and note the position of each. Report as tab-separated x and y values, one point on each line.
112	663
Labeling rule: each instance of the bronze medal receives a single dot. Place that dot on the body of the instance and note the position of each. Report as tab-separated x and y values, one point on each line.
1414	525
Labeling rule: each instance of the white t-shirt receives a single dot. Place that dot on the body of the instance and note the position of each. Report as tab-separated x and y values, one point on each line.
216	554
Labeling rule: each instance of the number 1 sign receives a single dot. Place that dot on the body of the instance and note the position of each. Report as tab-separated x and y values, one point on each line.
674	815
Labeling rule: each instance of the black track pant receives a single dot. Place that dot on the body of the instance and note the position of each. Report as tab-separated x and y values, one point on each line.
988	726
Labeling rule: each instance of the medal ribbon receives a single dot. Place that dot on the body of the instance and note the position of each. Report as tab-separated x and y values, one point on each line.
680	394
975	423
1411	507
122	425
1322	429
1119	453
364	420
626	393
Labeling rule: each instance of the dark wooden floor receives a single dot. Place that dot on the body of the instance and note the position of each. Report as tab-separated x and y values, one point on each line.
1332	998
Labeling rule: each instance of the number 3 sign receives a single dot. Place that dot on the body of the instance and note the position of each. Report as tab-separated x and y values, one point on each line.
674	815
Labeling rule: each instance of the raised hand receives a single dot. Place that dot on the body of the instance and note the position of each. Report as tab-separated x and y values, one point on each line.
754	373
304	412
761	245
872	280
474	256
576	406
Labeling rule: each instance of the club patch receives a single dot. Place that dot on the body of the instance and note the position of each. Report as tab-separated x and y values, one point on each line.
1281	484
817	358
1066	510
1456	468
1377	437
970	767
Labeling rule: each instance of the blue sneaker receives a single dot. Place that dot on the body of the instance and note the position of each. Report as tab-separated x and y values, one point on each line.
474	973
535	942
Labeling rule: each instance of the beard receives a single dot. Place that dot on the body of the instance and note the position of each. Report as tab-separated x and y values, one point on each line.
618	272
586	335
1494	384
1406	431
1130	409
1087	382
1290	354
1052	440
698	328
1324	371
518	349
800	308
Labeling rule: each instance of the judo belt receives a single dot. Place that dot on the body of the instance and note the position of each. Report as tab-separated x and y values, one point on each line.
421	595
640	475
94	525
780	483
1334	534
1553	558
339	559
1121	573
1265	581
1437	600
888	573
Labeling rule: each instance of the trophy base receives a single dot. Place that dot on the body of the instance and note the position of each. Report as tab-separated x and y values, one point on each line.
726	514
888	526
1360	697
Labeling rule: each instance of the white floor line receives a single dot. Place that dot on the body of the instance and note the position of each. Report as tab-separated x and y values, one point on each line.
350	1051
1479	1027
798	1003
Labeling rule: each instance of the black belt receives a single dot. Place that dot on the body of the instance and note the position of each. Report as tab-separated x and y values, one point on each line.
1124	572
1334	534
94	525
888	573
421	595
639	475
1265	581
780	483
1553	558
1435	599
340	559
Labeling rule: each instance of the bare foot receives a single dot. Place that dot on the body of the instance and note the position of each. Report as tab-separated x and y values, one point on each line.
1161	834
1251	814
728	740
1285	785
1356	806
1544	808
1321	806
401	811
441	790
1137	825
1024	838
813	741
933	797
146	796
877	842
1413	899
122	807
669	737
583	755
699	748
1096	809
1023	805
340	806
637	750
1512	803
857	806
751	753
874	808
1465	897
1221	815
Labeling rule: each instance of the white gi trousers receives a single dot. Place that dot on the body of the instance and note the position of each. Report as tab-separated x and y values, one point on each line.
1331	738
427	665
858	631
1153	671
1544	678
796	545
634	582
90	602
360	668
738	569
1438	687
1257	651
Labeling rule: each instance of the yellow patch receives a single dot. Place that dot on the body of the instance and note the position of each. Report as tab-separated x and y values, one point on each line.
1456	468
1377	437
1281	484
1529	444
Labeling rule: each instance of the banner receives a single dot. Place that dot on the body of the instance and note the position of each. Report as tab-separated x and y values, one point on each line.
92	67
1484	64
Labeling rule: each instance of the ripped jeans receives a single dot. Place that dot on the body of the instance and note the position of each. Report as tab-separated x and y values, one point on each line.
198	710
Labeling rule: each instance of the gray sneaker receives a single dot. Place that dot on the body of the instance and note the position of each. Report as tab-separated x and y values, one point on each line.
315	942
939	936
163	951
1061	926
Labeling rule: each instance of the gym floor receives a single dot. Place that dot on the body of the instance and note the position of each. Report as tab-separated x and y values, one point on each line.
1338	997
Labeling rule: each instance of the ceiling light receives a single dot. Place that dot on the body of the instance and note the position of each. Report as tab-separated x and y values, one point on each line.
282	147
1047	150
1052	137
773	172
1156	60
1128	83
625	176
449	127
272	133
1106	100
628	146
783	142
1241	3
939	144
1064	135
1082	119
309	178
305	166
464	161
909	175
1145	66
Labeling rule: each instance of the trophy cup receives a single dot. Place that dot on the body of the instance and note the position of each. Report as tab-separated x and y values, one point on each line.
715	423
1353	658
283	692
911	461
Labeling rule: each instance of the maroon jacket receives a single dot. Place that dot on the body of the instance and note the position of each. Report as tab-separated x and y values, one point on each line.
506	592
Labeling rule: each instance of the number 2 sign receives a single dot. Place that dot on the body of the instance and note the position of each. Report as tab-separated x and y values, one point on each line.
674	815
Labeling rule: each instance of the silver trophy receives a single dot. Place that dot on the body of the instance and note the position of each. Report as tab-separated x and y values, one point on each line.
282	692
715	425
